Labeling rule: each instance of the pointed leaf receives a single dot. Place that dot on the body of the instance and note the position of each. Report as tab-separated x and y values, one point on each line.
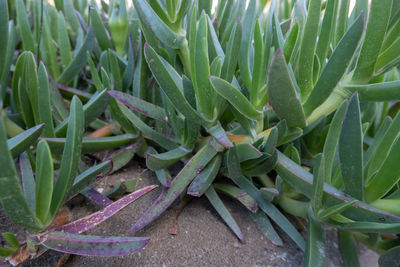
351	150
377	25
335	209
223	212
235	98
84	224
87	245
387	176
71	156
336	66
171	83
307	47
318	183
315	250
28	181
92	144
44	180
92	110
12	198
45	112
282	93
163	160
265	226
89	176
332	140
238	194
79	61
165	34
139	105
348	249
24	140
205	178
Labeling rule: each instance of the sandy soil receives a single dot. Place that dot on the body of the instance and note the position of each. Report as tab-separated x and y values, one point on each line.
203	238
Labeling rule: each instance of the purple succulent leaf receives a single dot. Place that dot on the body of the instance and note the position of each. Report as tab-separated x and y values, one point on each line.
88	222
96	197
87	245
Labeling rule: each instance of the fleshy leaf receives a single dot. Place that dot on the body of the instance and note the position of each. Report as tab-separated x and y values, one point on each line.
87	245
165	34
336	66
90	221
235	98
351	150
282	93
205	178
44	180
92	144
315	250
11	195
223	212
71	156
24	140
139	105
163	160
266	227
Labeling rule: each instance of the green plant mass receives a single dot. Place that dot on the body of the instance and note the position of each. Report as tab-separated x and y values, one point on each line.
290	107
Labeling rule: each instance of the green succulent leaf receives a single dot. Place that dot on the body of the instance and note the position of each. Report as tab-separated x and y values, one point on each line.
235	98
376	29
4	32
178	185
315	249
24	26
318	183
163	160
332	140
336	66
79	61
307	47
92	144
24	140
384	91
217	203
158	27
92	110
265	226
387	175
70	157
351	150
11	195
282	93
45	113
171	83
348	249
44	180
205	178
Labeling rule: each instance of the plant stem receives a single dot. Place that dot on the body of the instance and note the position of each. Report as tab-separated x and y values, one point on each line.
338	95
185	58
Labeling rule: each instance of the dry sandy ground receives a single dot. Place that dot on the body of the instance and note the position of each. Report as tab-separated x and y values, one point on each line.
203	238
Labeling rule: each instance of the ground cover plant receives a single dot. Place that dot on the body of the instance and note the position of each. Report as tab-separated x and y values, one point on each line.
289	107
